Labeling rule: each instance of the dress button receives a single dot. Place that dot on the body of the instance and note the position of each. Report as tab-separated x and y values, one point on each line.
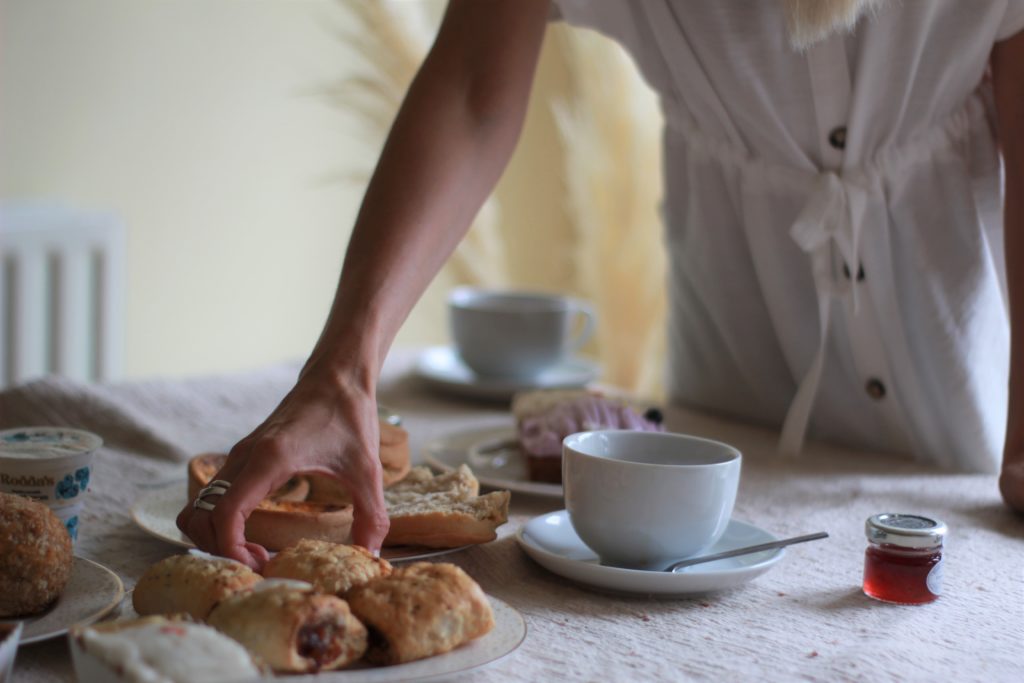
875	389
860	272
837	138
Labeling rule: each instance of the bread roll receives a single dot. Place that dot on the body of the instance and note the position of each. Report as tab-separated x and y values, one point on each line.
191	585
331	568
443	511
35	556
291	628
420	610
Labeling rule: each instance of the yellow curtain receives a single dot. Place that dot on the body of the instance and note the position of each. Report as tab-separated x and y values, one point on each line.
579	203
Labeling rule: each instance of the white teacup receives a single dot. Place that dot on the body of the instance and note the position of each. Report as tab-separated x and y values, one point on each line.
646	499
513	334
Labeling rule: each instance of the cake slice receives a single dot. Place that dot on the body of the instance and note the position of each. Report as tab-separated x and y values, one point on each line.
545	418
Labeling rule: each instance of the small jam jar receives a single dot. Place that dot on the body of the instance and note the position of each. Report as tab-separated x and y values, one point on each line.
903	562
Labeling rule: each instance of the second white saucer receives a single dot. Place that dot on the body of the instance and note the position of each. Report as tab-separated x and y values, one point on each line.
442	367
552	542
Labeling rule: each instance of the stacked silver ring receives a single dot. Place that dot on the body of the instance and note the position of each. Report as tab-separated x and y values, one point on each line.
217	487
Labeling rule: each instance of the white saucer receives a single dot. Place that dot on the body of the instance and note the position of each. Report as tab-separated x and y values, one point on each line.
494	458
442	368
551	541
92	592
155	513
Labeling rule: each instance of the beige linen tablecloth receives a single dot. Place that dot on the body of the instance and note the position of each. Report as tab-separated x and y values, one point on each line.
806	619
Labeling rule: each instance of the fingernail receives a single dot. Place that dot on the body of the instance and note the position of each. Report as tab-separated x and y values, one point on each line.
376	553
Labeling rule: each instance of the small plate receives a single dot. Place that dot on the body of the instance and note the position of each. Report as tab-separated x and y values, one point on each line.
442	367
155	513
494	458
551	541
91	593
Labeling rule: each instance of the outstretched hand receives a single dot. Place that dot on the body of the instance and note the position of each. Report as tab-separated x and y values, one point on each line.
321	426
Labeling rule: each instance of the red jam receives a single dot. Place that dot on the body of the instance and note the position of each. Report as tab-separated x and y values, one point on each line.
908	576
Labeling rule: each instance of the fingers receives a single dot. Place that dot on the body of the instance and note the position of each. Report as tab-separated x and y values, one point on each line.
370	521
254	470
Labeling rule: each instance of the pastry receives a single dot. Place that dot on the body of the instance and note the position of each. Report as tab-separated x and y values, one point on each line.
545	418
190	584
168	650
292	628
420	610
279	523
443	511
35	556
332	568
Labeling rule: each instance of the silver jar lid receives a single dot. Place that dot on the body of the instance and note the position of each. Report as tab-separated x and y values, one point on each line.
905	531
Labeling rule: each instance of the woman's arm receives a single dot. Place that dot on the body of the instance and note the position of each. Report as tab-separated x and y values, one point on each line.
1008	78
447	148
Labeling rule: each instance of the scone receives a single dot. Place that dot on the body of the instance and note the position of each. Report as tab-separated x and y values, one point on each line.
444	510
421	610
332	568
35	556
292	628
190	584
169	650
544	418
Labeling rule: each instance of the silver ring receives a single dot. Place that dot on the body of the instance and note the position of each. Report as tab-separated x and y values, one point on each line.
218	487
212	491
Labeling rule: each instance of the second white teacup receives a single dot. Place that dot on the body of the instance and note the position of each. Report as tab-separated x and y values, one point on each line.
646	499
514	334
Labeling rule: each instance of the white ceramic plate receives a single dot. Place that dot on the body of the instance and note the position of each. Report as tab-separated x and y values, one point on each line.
155	513
507	635
441	367
551	541
492	455
91	593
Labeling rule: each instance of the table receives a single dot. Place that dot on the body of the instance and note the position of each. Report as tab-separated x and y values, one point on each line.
804	620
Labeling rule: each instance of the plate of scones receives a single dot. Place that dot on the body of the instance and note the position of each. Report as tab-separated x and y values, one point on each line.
318	607
526	456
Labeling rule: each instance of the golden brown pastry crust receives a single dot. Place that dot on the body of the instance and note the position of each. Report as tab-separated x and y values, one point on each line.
443	510
277	524
292	629
469	523
421	610
332	568
35	556
191	585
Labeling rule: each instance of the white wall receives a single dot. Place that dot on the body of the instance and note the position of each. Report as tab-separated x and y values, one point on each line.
198	123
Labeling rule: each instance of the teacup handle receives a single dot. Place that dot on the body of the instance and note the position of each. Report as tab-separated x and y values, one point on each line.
589	323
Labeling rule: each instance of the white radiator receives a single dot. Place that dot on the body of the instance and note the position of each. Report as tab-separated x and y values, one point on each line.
61	294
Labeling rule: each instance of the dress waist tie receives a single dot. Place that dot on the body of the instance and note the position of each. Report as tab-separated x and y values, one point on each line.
832	219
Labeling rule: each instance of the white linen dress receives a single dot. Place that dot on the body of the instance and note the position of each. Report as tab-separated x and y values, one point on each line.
833	219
